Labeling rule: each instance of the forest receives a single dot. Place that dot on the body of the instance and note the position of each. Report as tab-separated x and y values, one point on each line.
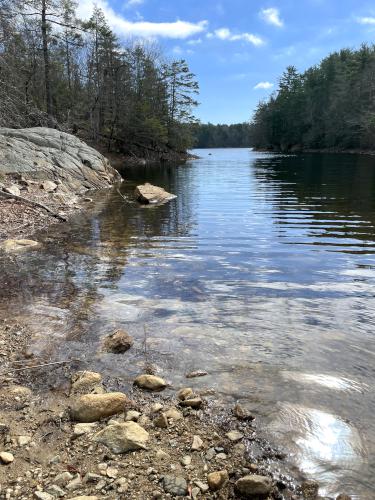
330	106
60	71
222	136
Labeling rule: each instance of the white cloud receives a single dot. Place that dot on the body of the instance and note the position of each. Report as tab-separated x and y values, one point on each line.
134	3
263	85
366	20
177	29
272	16
196	41
226	34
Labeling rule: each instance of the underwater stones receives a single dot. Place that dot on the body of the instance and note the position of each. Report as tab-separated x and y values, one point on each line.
18	245
150	382
118	342
93	407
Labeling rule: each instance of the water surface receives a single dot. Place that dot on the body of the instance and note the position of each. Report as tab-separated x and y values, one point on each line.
261	272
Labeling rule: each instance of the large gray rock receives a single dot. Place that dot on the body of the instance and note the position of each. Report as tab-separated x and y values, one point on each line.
120	438
48	154
253	486
93	407
152	195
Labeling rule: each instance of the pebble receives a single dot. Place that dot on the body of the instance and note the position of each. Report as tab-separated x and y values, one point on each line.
150	382
6	457
63	478
202	486
81	429
185	461
74	484
56	491
161	421
185	393
42	495
192	403
175	485
221	456
23	440
234	436
241	413
132	416
156	407
197	443
216	480
210	454
253	486
197	373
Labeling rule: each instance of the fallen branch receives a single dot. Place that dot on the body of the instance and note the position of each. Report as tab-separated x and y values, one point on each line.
38	366
34	204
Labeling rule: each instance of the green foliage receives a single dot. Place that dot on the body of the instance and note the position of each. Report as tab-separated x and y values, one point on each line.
222	136
331	105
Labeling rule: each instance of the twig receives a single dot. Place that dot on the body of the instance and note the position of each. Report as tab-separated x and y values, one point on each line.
33	203
39	366
122	196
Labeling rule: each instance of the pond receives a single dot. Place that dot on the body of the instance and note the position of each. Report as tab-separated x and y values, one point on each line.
260	272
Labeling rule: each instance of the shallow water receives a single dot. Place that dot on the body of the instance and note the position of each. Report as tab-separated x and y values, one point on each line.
261	272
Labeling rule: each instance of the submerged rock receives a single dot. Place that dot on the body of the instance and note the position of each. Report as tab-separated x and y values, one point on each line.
241	413
93	407
120	438
118	342
253	486
18	245
149	194
150	382
197	373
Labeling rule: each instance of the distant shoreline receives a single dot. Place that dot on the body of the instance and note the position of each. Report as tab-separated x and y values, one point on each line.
320	151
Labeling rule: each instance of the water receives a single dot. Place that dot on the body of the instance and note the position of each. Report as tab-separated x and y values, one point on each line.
261	272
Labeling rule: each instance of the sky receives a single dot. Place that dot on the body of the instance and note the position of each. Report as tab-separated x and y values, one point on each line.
239	48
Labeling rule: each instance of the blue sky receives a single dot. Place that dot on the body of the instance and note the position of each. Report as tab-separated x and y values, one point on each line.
239	48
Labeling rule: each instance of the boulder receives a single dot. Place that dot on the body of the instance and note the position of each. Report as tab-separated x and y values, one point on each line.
149	194
46	154
18	245
216	480
253	486
120	438
150	382
118	342
93	407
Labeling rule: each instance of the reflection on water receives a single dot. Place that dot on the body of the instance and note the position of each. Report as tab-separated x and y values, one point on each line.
261	272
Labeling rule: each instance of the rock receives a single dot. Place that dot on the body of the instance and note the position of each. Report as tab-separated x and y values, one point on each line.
6	457
75	484
161	421
185	393
310	490
112	472
84	497
185	461
124	437
211	453
253	486
216	480
174	414
234	436
150	382
92	478
48	186
149	194
156	407
195	492
18	245
81	429
197	443
202	486
342	496
241	413
42	153
13	189
192	403
118	342
63	478
162	456
42	495
93	407
221	456
132	416
86	382
197	373
176	486
23	440
56	491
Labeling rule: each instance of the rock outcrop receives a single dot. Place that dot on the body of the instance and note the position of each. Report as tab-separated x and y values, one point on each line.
47	154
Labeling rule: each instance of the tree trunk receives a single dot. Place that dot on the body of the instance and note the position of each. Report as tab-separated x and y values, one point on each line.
46	61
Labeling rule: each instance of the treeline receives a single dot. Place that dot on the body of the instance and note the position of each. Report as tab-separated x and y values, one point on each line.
331	105
222	136
61	71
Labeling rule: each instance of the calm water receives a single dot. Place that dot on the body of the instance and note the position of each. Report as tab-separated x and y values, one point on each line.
261	272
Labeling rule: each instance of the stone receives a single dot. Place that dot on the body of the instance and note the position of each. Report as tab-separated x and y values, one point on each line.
23	440
185	393
118	342
216	480
253	486
197	373
74	484
48	186
161	421
151	195
124	437
92	478
63	478
197	443
85	382
156	407
192	403
84	497
13	189
6	457
342	496
18	245
132	416
81	429
185	461
93	407
202	486
42	495
112	472
40	152
221	456
211	453
241	413
150	382
162	456
310	490
56	491
176	486
174	414
234	436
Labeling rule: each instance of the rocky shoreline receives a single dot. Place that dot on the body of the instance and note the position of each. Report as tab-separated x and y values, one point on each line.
67	433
